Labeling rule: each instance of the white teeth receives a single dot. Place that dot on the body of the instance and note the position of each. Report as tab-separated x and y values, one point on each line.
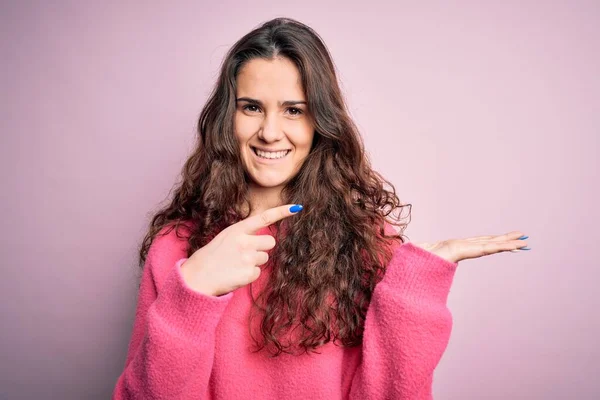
271	154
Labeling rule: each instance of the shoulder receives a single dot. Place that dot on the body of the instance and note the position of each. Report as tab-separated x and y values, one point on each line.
390	229
169	246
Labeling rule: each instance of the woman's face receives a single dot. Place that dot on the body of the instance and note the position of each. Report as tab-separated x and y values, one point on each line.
272	123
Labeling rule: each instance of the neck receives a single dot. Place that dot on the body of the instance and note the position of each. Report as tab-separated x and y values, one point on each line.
263	198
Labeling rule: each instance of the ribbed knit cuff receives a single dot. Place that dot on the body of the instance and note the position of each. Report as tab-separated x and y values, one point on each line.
419	274
185	310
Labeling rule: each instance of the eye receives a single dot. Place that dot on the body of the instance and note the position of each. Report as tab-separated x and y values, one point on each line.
251	108
295	111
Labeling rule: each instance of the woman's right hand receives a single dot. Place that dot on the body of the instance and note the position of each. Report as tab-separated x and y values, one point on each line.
231	260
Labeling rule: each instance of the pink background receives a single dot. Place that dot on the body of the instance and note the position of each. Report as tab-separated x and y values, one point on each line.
484	115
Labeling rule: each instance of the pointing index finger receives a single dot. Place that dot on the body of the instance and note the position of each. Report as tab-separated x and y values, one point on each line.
268	217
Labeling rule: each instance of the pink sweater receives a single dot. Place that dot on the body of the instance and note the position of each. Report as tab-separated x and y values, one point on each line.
186	345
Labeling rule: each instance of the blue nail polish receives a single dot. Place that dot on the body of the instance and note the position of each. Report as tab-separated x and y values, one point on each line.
295	208
524	248
523	238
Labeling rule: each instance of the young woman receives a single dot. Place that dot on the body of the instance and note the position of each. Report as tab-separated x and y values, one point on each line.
275	272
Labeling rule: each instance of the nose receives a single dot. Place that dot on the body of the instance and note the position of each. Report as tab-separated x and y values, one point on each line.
270	130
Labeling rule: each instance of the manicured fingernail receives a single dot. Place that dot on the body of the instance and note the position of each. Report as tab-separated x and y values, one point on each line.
524	248
296	207
523	238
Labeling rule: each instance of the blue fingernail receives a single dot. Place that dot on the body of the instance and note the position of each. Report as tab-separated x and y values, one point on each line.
524	248
295	208
523	238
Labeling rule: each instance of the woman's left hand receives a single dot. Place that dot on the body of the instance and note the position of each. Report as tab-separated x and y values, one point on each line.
455	250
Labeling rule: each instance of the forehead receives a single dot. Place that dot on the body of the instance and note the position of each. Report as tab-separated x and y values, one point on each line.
278	78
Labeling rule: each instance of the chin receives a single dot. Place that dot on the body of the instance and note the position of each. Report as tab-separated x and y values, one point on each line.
269	183
270	180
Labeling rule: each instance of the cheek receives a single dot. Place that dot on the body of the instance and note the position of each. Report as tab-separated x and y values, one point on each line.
244	127
302	138
307	142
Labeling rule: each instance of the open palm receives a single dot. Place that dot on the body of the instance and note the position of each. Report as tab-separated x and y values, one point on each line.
455	250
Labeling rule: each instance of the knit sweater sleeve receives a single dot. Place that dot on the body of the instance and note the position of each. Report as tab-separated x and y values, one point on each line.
407	327
171	349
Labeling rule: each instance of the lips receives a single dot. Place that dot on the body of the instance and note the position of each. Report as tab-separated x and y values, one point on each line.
270	154
268	150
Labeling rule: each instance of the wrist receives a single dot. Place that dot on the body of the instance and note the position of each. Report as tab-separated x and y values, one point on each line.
195	281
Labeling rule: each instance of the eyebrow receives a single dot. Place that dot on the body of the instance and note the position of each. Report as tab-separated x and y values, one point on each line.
258	102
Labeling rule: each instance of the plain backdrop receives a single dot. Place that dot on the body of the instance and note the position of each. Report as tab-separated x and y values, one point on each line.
484	115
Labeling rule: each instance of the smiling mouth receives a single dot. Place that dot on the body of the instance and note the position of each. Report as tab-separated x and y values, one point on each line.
270	155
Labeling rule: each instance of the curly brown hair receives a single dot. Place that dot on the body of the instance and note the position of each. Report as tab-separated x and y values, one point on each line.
325	268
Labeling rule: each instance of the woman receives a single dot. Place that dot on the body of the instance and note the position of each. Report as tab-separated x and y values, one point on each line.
275	272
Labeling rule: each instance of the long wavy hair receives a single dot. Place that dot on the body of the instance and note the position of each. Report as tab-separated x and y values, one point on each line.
325	267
